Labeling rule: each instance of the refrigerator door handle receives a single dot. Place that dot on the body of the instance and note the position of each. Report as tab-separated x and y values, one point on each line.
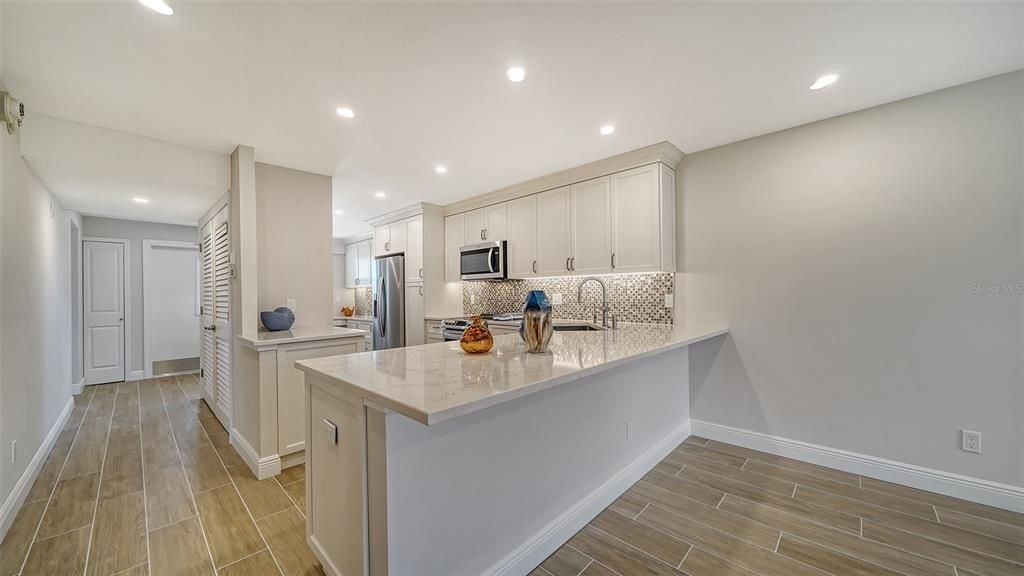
382	319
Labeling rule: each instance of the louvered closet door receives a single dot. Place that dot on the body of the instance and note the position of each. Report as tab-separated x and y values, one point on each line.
216	341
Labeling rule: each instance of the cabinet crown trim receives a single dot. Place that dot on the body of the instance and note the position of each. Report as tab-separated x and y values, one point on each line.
403	213
663	152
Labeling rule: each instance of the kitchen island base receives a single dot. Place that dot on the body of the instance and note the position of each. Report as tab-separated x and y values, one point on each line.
489	492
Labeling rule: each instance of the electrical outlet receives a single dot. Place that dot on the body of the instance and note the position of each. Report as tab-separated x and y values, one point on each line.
556	298
472	298
629	429
669	301
290	303
970	441
14	451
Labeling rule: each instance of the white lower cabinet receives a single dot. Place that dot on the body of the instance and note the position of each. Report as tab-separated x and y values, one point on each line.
291	395
434	331
414	316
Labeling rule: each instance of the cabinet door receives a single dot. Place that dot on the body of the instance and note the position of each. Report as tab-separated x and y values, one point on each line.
522	237
591	226
496	225
414	335
365	251
636	220
351	265
476	222
397	240
381	240
414	251
454	239
554	232
291	392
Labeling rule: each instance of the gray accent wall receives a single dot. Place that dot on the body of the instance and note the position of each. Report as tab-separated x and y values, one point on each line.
135	232
870	268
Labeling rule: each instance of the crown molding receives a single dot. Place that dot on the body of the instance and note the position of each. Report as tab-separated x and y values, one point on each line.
403	213
664	152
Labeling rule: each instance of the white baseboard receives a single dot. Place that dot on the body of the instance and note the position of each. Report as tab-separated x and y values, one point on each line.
17	496
135	375
531	553
262	467
977	490
76	389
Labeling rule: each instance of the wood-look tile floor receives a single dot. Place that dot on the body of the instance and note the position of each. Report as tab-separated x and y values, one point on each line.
142	480
715	509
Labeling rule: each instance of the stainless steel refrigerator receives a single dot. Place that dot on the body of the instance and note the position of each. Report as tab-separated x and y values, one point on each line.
389	303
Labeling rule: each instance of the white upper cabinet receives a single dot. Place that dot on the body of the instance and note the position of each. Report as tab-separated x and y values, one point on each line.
591	227
389	239
357	264
454	240
487	224
414	251
638	201
522	237
554	233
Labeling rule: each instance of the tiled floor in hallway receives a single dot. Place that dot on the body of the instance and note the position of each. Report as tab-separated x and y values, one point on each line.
143	480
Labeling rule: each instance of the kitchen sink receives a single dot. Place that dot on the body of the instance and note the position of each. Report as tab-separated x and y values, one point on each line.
577	328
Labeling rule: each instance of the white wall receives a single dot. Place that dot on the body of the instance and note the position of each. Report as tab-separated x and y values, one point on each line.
854	261
135	232
35	335
293	225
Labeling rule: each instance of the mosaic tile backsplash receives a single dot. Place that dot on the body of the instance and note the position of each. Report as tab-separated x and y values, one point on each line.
363	302
631	297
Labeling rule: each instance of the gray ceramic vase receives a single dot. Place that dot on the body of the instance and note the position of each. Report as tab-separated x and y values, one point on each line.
536	327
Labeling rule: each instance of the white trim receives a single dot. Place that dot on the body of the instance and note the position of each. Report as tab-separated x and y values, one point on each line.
996	494
264	467
135	375
77	387
147	249
17	496
127	303
531	553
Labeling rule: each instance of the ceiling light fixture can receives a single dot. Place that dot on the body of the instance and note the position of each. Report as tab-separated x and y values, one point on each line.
339	212
345	112
158	6
607	130
139	200
380	195
441	169
515	74
826	80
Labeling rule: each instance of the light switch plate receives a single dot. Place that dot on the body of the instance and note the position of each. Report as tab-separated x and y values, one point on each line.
669	301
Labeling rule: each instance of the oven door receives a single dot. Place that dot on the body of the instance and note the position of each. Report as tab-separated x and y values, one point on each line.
483	261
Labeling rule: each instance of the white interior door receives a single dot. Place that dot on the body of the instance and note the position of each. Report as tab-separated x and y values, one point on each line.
171	303
215	242
103	311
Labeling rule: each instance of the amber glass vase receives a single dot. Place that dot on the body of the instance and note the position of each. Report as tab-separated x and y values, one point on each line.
477	338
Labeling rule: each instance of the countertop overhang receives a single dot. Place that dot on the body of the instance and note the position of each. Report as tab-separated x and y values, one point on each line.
433	383
264	340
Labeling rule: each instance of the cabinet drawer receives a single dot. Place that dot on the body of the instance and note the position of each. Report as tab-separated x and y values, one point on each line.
434	327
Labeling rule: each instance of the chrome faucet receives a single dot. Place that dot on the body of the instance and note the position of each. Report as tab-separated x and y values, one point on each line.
604	299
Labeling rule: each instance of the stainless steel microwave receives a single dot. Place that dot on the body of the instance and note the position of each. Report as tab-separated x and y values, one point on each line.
486	261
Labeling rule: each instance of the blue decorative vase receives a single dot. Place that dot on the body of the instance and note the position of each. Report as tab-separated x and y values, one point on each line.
536	327
279	319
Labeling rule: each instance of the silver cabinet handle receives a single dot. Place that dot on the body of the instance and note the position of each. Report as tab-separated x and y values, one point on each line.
613	260
481	234
421	290
485	233
573	260
534	266
567	264
421	272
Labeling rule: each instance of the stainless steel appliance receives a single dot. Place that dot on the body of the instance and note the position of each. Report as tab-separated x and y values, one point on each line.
389	303
486	261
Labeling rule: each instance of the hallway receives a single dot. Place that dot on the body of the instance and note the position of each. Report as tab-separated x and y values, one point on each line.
174	496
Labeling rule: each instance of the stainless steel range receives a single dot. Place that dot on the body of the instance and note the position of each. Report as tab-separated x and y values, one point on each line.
453	328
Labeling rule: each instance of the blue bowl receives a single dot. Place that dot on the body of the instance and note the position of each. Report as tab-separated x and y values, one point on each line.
280	319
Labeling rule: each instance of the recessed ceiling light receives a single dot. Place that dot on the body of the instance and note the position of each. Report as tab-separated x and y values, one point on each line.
345	112
826	80
607	129
441	169
140	200
380	194
339	212
515	74
158	6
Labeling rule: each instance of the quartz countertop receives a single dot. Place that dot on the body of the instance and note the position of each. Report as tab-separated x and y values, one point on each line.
355	317
437	382
261	340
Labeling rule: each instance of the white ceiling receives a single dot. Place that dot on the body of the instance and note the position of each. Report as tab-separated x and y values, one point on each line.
427	81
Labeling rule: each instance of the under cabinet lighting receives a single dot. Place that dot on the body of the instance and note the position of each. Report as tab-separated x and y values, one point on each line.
158	6
826	80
